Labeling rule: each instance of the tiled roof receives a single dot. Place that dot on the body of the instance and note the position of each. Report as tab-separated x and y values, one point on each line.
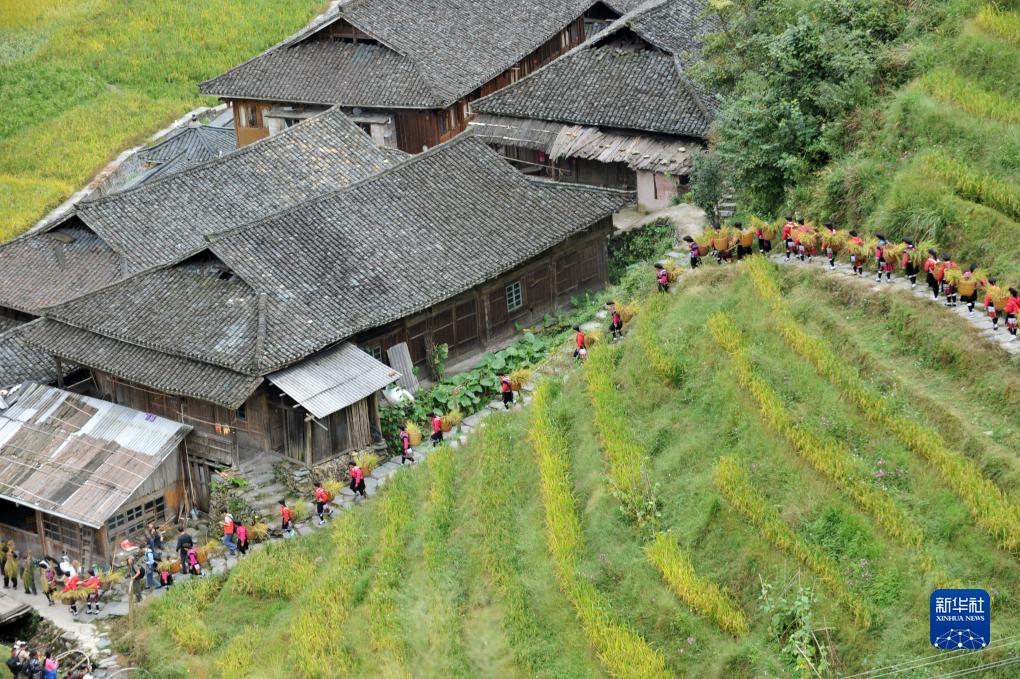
453	46
610	81
168	373
20	361
48	268
164	220
198	143
323	271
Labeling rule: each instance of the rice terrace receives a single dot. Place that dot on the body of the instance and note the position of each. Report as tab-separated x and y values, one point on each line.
510	338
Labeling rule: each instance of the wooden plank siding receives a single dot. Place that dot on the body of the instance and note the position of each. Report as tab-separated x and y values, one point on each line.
480	316
416	129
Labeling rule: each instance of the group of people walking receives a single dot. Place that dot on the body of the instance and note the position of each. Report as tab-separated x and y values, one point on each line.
24	663
944	277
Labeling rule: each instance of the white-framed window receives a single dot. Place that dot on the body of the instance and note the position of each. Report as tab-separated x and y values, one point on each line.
514	297
375	351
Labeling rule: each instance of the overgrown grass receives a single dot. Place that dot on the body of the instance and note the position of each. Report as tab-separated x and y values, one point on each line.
87	78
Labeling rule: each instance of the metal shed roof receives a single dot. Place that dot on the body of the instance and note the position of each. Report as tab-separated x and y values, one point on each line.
333	380
78	457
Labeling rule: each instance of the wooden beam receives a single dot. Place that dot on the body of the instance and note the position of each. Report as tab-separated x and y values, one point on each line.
60	371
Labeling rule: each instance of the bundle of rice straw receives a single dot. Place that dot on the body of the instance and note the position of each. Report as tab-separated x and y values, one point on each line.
999	295
627	311
768	231
836	240
859	249
809	239
920	253
893	252
953	276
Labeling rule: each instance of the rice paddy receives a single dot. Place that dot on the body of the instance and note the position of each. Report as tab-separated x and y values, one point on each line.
517	556
86	79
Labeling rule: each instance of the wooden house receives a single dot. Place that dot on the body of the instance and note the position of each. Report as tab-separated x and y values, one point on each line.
79	474
251	339
406	72
618	111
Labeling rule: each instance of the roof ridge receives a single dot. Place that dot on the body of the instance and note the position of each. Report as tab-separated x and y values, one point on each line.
260	334
212	238
236	153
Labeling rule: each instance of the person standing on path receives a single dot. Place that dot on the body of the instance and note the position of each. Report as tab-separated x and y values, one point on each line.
931	265
827	244
49	581
154	538
854	244
228	534
745	241
615	321
136	572
92	584
437	429
908	262
50	666
321	498
358	479
34	669
184	543
28	575
1012	311
150	569
661	277
242	537
579	340
286	519
948	287
968	289
406	451
695	251
506	390
11	569
788	228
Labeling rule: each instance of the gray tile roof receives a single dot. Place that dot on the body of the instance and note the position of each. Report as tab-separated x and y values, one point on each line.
610	83
47	268
197	144
158	370
164	220
322	271
20	361
441	50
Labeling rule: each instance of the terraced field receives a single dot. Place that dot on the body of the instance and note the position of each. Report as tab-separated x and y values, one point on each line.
767	477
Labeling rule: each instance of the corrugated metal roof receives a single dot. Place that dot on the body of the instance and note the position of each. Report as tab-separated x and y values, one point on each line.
334	379
78	457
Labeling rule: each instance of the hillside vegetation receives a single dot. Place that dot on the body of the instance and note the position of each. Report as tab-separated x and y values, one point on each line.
83	79
767	477
891	117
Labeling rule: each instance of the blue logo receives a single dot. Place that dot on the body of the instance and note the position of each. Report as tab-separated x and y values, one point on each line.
960	619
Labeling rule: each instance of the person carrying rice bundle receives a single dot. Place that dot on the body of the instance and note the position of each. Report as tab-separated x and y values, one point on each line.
1012	311
881	263
968	287
661	278
948	275
788	228
745	241
931	268
721	244
855	246
995	301
804	237
765	232
829	244
909	267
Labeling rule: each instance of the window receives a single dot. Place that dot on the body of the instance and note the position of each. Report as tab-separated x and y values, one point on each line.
62	531
242	412
134	519
514	298
374	351
251	113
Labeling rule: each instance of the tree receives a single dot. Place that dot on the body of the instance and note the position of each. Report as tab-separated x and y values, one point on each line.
707	182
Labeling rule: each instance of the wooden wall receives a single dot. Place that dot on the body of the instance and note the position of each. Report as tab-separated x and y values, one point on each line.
475	318
248	127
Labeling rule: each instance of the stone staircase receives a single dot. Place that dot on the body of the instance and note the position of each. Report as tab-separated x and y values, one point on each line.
264	491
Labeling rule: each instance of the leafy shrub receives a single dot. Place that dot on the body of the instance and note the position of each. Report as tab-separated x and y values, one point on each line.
791	622
639	245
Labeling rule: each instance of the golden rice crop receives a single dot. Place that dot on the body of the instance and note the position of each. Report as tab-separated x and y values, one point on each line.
834	462
281	569
700	593
240	658
179	612
768	231
989	505
999	23
620	650
974	184
837	240
624	456
736	488
653	346
893	252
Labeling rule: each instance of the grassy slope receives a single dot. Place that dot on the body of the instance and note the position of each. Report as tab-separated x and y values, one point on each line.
454	575
940	159
83	79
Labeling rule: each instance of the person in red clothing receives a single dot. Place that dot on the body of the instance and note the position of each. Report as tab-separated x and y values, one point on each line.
286	519
931	266
406	451
357	479
908	262
856	260
882	264
990	307
321	498
615	321
803	250
948	288
1012	311
92	584
695	251
579	339
830	252
228	534
70	585
662	278
437	429
788	228
505	390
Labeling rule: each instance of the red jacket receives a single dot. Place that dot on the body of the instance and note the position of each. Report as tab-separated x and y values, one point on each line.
930	265
405	440
1013	306
357	474
579	339
284	512
787	230
321	495
504	384
228	527
437	424
92	583
663	276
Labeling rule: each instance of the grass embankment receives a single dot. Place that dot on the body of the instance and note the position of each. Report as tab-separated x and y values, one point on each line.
938	160
84	79
511	556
